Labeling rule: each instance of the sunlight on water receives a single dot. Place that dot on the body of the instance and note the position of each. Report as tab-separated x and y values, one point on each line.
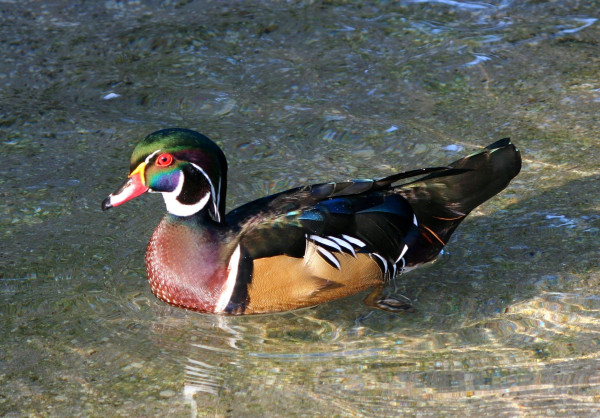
507	318
513	354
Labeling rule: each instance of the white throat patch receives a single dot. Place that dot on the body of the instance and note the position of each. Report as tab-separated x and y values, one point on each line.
175	207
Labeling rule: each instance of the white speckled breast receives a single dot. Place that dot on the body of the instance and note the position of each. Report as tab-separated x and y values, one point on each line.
184	267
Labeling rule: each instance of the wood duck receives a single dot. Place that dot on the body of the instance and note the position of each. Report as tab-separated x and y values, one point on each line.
303	246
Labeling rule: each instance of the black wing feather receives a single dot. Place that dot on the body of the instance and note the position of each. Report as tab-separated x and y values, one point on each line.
376	214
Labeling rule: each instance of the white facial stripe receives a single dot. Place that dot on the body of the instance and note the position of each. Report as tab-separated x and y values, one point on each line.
227	290
218	198
415	220
175	207
148	158
215	197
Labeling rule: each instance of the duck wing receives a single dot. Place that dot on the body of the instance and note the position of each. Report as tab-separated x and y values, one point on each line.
407	223
356	216
441	200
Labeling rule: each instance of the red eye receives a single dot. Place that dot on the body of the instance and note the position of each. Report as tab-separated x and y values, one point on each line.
164	160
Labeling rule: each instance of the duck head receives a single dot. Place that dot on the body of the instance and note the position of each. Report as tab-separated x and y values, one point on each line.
188	169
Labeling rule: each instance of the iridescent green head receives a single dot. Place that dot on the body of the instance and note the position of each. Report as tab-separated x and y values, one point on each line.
189	170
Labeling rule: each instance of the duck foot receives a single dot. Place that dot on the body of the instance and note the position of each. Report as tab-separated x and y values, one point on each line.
376	299
394	305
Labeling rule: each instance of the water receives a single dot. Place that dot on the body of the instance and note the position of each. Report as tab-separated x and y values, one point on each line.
508	319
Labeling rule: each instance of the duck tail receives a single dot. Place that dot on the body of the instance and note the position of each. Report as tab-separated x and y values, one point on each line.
441	200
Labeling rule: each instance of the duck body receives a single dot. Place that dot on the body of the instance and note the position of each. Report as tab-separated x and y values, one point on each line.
303	246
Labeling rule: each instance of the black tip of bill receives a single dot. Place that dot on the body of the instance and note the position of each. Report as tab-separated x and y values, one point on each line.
106	205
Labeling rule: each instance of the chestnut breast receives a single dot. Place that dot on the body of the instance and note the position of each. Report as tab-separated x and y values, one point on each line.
185	266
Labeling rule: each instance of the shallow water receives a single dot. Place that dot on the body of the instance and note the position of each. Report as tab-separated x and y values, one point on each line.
508	319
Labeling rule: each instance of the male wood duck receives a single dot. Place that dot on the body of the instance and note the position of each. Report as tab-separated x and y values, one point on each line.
303	246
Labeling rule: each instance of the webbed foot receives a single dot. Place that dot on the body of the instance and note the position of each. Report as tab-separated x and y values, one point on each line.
377	299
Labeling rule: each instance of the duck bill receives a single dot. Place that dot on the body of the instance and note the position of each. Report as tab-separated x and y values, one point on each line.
131	188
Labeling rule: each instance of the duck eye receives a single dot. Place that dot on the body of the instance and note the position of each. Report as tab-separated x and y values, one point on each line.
164	160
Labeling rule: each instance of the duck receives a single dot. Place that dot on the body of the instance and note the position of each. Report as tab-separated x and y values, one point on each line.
300	247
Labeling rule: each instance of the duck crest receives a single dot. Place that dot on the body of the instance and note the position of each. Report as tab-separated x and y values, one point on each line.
300	247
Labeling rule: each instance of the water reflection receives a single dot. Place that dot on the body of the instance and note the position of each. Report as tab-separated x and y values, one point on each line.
303	358
525	355
457	4
508	319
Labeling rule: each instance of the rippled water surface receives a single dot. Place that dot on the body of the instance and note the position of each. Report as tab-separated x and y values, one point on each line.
508	319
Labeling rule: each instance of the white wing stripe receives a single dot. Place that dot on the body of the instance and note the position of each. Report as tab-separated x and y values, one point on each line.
329	256
325	241
402	253
385	264
353	240
227	290
344	244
